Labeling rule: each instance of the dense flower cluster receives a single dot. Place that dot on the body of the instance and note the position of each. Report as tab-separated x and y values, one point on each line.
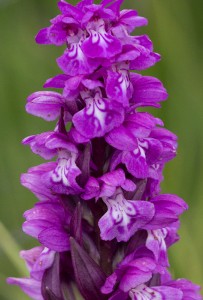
102	222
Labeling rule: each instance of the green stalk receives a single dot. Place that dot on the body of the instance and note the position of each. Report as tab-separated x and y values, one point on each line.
11	250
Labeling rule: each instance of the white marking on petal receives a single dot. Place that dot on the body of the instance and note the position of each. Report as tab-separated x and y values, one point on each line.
66	161
96	108
124	80
155	167
121	209
95	37
140	149
76	52
142	292
158	236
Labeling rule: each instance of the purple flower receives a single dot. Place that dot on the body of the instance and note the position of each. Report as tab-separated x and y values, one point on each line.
73	85
129	274
118	84
33	181
103	225
106	185
137	50
157	244
59	177
48	144
142	146
189	289
140	150
133	278
161	292
129	20
38	260
62	29
124	217
47	222
46	105
100	44
74	62
147	91
29	286
99	116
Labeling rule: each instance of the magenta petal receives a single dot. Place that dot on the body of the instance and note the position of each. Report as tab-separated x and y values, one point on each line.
124	217
70	10
159	292
129	185
129	53
101	45
147	90
30	256
136	163
130	19
190	290
38	145
43	262
99	117
153	151
156	243
46	105
137	272
34	227
57	82
43	37
145	61
92	189
58	34
74	62
30	286
33	179
58	141
77	136
142	124
167	210
170	202
45	210
109	284
145	42
62	178
118	86
115	178
113	5
136	125
55	238
121	138
168	293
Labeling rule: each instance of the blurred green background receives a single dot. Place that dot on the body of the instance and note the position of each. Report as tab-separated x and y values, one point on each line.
176	30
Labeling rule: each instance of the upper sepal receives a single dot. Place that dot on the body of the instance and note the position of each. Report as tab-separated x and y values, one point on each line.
45	104
168	207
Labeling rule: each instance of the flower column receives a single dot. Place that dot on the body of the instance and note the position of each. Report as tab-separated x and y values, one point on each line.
102	222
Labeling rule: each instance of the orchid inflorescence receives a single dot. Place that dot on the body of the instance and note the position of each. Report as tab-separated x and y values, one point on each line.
102	222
